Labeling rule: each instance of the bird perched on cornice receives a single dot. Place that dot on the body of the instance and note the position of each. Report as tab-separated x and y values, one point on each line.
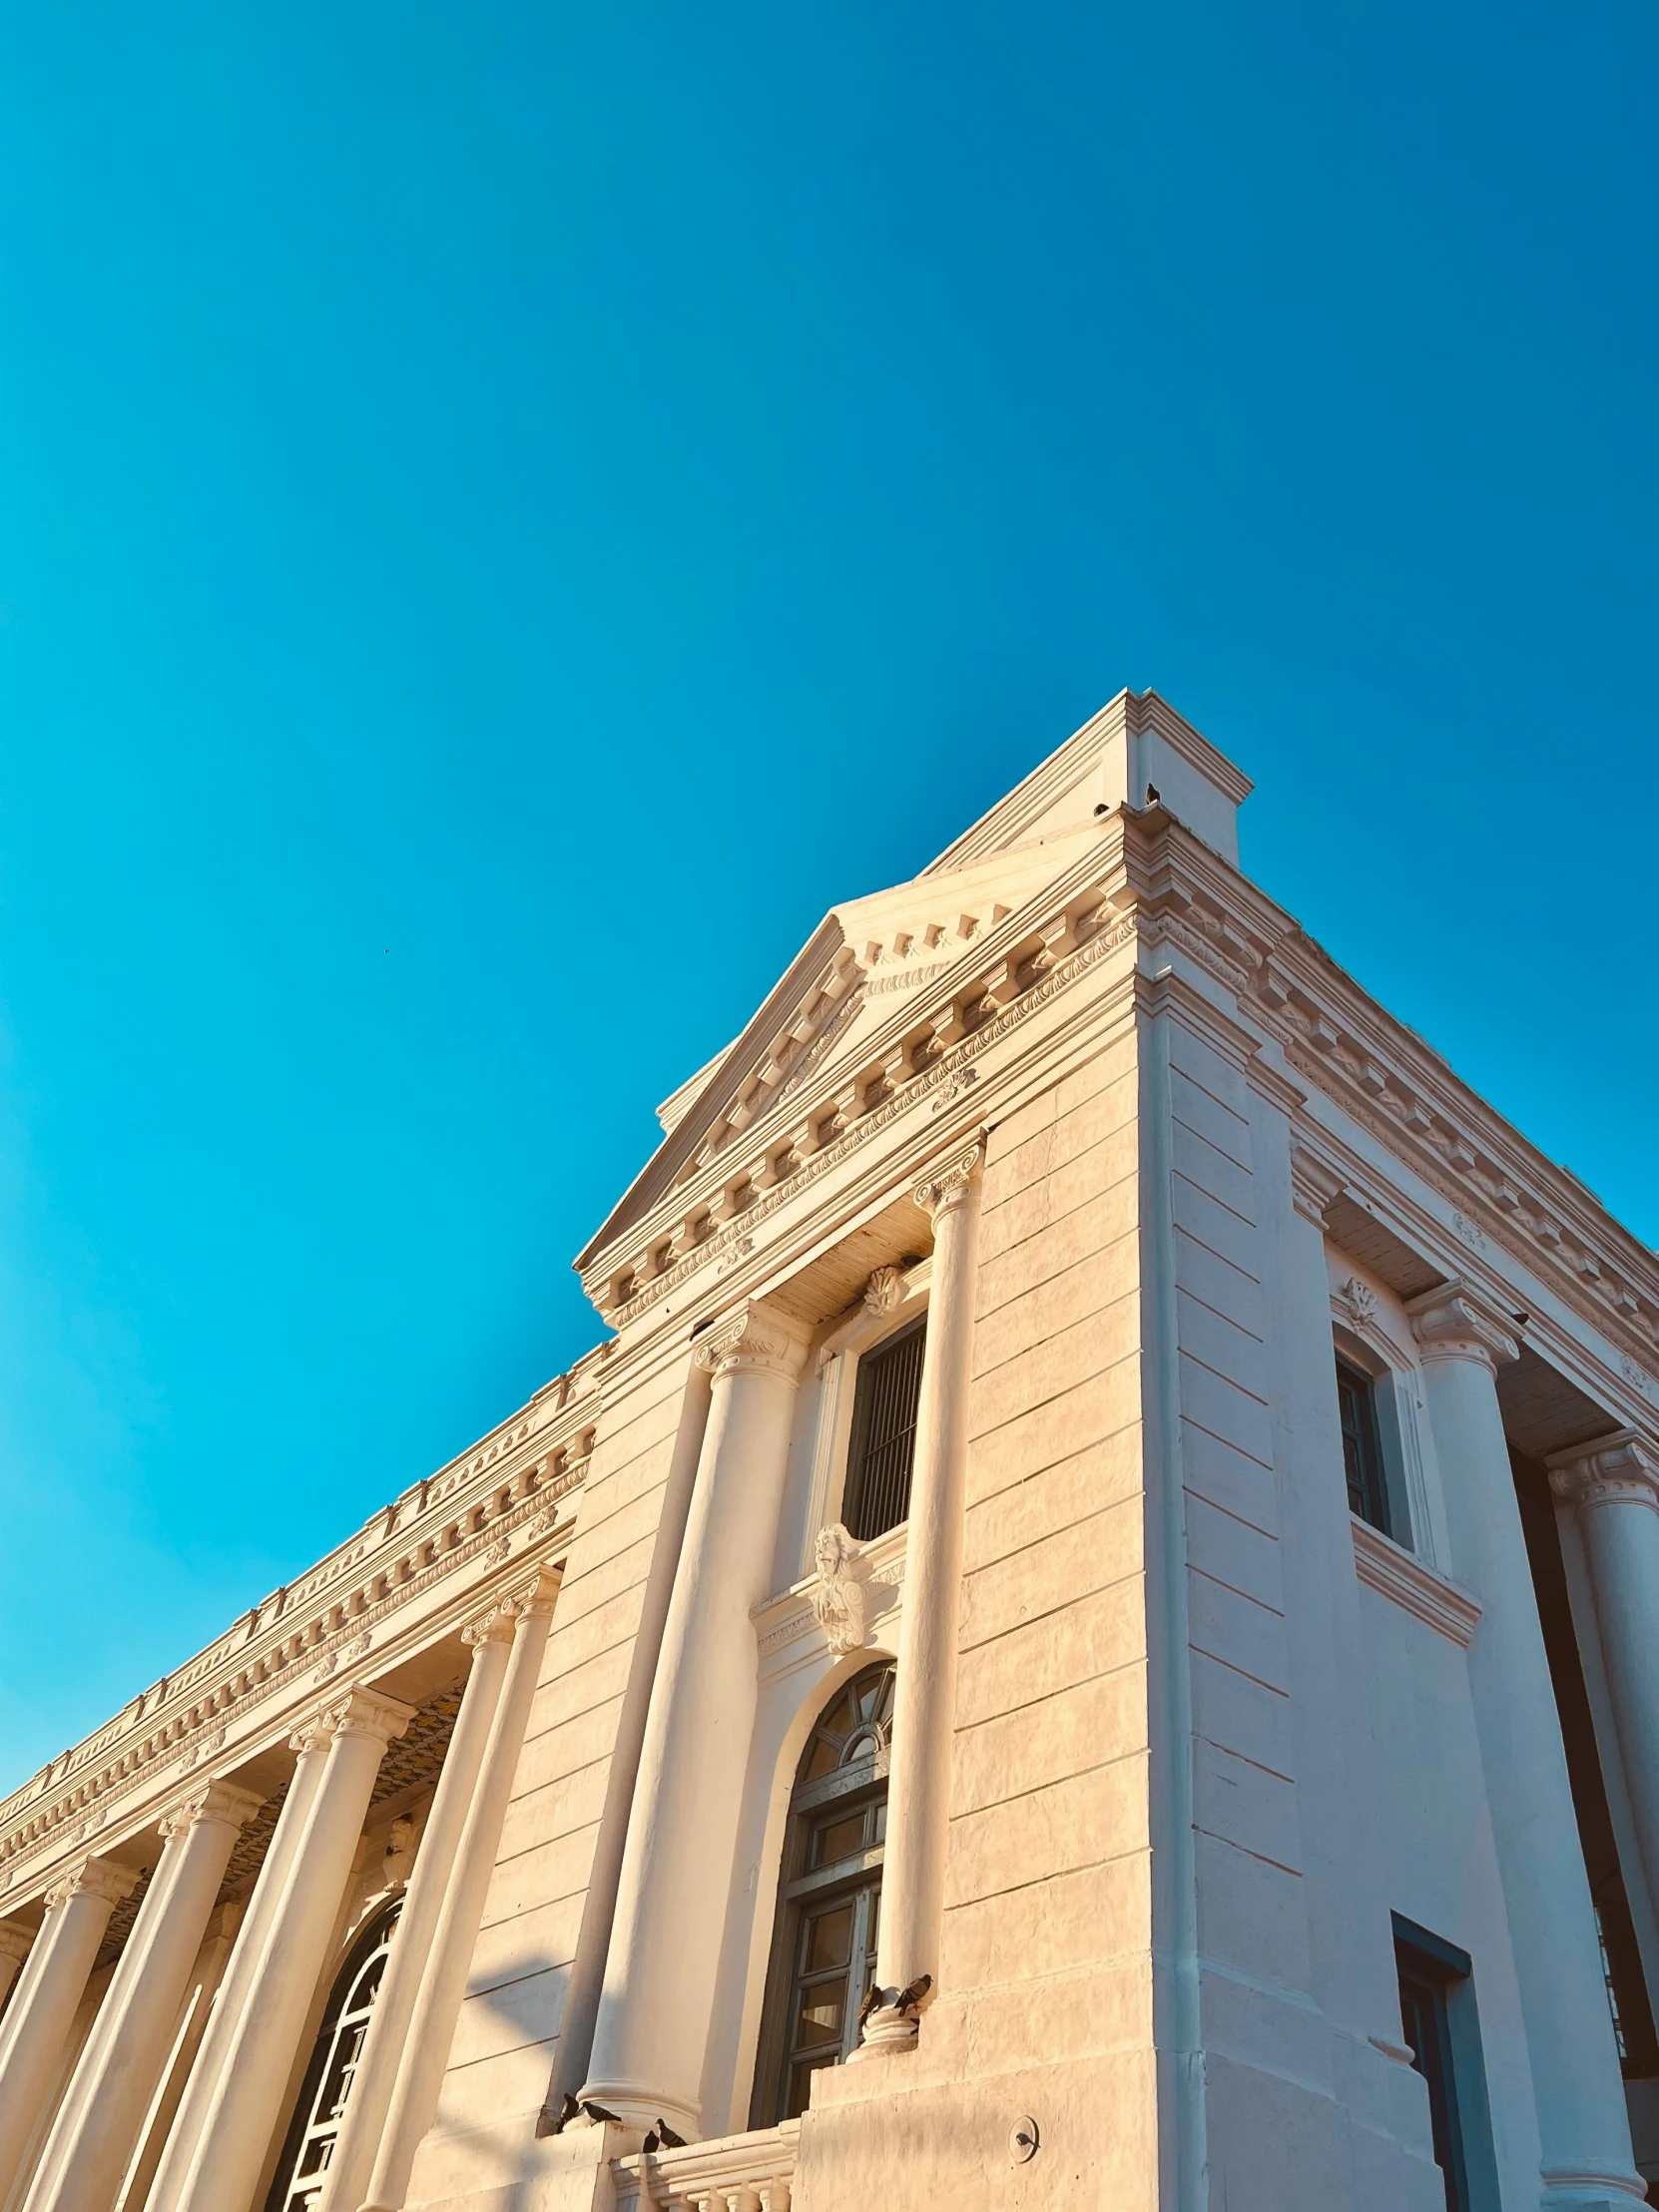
663	2137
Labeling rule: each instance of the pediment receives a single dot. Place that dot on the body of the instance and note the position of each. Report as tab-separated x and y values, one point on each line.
868	954
853	975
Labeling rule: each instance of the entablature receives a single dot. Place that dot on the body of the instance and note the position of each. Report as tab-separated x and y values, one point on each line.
430	1552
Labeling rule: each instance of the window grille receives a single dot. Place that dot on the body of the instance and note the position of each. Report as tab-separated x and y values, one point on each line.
829	1902
882	1447
315	2129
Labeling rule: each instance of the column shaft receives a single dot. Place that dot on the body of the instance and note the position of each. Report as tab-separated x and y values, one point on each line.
247	2097
664	1958
81	1905
388	2027
1614	1484
231	1998
919	1789
423	2051
1583	2127
97	2125
14	1944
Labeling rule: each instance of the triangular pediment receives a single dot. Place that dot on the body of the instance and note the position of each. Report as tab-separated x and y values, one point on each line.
870	954
855	973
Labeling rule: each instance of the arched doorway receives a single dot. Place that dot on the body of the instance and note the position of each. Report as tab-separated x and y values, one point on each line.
829	1896
321	2106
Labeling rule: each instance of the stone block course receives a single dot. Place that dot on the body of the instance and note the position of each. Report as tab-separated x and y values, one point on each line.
1098	1814
1092	1637
1062	1734
1054	1572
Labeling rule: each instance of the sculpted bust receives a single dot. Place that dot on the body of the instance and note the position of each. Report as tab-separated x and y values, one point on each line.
839	1600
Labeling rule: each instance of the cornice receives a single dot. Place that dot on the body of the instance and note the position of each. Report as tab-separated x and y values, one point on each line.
1129	715
947	1078
1400	1091
1394	1573
501	1499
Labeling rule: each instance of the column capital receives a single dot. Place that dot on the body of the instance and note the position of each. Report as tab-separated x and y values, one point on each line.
369	1713
494	1626
220	1804
1621	1468
99	1877
753	1339
15	1942
536	1594
1455	1323
952	1184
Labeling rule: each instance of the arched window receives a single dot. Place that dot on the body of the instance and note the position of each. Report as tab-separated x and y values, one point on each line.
829	1899
304	2165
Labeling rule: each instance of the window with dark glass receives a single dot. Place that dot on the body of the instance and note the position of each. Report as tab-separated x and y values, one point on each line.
1367	1496
1436	2015
882	1447
315	2129
829	1896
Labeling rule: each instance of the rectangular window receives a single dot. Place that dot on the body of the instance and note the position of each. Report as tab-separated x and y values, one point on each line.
1437	2011
882	1447
1368	1495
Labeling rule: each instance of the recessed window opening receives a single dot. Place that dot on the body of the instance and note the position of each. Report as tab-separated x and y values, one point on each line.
829	1896
881	1450
1438	2018
315	2129
1368	1491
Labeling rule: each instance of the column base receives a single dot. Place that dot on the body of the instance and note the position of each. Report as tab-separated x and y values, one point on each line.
1587	2189
888	2032
636	2105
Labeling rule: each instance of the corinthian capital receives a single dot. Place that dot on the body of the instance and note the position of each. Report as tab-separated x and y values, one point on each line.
755	1338
1618	1470
219	1803
99	1877
1455	1323
953	1184
369	1713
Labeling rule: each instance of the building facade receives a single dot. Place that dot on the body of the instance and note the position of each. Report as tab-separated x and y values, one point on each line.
1089	1637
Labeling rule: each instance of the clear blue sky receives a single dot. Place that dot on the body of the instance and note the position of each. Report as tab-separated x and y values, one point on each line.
506	512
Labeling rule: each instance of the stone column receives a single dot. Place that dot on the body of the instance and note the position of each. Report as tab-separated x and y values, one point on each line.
14	1949
924	1705
97	2123
664	1956
231	1998
422	2050
1579	2097
79	1909
247	2097
1614	1486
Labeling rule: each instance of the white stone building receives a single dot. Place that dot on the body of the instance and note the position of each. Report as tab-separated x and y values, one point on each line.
1107	1575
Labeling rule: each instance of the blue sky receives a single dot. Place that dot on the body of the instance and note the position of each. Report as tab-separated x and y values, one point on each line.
507	512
